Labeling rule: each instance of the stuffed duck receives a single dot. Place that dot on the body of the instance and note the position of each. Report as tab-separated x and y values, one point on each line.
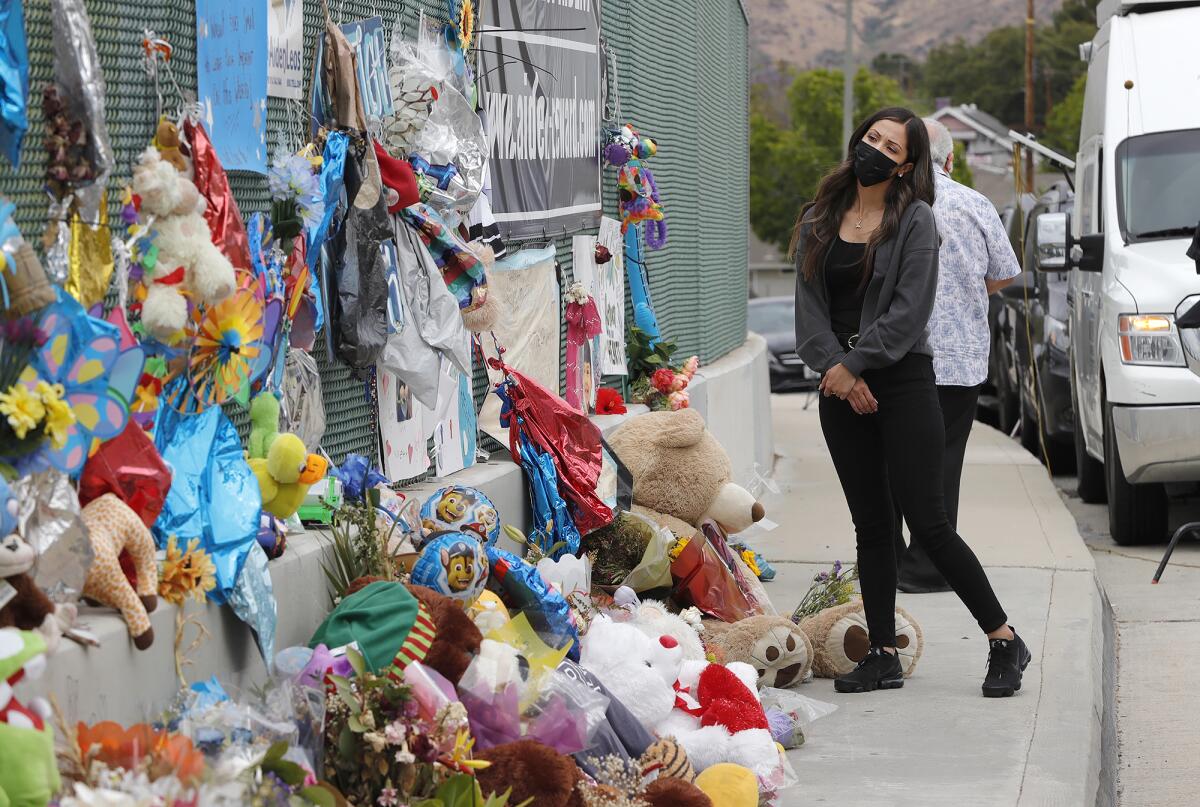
281	463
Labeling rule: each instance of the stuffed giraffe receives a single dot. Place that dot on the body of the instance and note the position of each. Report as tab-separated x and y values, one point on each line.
113	528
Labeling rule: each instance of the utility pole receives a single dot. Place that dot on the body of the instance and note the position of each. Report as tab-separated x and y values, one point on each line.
848	76
1029	160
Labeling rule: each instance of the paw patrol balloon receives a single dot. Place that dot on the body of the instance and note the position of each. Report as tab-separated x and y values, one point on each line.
454	564
463	509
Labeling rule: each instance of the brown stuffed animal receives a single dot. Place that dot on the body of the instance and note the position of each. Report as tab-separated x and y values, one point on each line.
840	639
773	645
533	771
668	792
168	143
681	474
22	604
457	639
113	528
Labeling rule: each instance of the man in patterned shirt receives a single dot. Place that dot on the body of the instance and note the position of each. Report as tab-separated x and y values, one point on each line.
976	260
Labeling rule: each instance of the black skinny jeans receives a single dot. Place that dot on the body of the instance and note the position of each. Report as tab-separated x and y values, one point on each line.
903	441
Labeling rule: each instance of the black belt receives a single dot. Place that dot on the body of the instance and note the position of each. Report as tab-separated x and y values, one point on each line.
847	340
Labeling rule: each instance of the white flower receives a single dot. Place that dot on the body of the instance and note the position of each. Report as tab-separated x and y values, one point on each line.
577	293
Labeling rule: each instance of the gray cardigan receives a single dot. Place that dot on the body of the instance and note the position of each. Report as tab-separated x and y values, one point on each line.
896	307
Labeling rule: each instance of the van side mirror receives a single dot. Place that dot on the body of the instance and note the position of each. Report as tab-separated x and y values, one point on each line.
1053	238
1088	254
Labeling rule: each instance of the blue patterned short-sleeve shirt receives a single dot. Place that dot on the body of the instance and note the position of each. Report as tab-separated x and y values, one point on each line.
975	248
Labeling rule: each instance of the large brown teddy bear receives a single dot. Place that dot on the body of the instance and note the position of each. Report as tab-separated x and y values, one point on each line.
779	651
681	474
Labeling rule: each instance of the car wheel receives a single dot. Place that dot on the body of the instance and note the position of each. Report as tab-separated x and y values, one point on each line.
1092	487
1137	514
1008	399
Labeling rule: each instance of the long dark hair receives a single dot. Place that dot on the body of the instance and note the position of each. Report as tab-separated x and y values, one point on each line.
839	188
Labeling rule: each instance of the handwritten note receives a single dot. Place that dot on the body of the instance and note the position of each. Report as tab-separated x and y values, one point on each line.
231	67
369	41
285	37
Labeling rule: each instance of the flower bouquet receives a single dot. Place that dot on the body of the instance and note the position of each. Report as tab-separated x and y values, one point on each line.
297	204
834	587
656	382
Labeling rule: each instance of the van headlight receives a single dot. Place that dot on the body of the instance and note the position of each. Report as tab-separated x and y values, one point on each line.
1149	339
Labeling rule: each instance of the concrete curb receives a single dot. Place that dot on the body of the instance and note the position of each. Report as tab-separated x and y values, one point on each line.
117	682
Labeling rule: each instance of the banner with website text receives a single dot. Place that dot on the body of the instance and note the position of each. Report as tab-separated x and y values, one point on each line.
539	81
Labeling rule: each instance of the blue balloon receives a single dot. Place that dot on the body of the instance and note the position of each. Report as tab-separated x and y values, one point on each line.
454	564
461	509
524	590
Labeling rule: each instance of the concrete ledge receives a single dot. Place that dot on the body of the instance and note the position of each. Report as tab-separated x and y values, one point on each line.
117	682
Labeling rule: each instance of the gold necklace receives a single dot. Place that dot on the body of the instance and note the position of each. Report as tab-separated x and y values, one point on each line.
858	224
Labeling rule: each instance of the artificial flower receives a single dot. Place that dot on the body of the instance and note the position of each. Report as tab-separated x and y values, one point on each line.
609	402
577	293
186	574
678	400
679	382
23	408
59	415
691	366
663	380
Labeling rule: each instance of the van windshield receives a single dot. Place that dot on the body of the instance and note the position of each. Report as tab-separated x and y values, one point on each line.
1158	185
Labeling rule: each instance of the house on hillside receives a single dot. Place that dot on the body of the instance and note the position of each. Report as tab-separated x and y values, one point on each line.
988	146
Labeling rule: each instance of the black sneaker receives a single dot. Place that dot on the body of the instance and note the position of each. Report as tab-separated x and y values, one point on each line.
1007	660
878	670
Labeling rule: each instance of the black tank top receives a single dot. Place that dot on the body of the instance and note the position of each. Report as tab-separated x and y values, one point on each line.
843	280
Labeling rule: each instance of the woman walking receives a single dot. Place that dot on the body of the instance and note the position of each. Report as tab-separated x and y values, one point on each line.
866	253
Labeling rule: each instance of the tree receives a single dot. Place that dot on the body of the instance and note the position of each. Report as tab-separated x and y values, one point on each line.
1062	124
901	67
989	73
961	172
787	161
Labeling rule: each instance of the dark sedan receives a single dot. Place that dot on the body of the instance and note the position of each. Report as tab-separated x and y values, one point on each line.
774	318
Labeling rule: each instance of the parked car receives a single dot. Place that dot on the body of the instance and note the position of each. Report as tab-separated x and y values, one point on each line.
774	318
1137	203
1034	345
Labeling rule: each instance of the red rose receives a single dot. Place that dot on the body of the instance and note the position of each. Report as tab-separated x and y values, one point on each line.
663	380
609	402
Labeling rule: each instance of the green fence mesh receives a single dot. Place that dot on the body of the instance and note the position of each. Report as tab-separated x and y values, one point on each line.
685	85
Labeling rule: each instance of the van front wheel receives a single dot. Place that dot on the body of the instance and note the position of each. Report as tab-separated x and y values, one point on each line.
1137	514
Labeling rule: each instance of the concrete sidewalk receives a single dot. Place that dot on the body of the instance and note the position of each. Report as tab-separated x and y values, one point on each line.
938	741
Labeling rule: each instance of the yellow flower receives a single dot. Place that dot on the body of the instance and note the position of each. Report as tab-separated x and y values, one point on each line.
186	574
59	415
23	409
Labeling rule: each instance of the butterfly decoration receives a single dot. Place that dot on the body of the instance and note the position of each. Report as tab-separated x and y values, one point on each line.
98	375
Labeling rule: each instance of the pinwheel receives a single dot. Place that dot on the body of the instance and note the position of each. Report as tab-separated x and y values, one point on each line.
225	354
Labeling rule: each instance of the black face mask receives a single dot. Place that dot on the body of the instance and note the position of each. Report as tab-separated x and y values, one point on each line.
871	165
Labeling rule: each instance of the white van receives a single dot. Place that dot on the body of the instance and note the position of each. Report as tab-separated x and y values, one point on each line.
1135	381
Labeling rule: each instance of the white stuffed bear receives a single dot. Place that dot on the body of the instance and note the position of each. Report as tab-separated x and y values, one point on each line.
636	670
187	257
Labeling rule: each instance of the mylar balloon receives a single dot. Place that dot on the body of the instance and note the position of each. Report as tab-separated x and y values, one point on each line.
454	564
460	508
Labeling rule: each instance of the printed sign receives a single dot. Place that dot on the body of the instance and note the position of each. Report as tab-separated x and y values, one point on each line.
231	67
369	41
609	292
285	49
539	81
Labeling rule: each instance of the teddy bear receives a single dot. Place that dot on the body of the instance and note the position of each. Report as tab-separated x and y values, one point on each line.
773	645
682	481
187	258
26	738
114	528
395	624
22	604
840	639
280	462
169	144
